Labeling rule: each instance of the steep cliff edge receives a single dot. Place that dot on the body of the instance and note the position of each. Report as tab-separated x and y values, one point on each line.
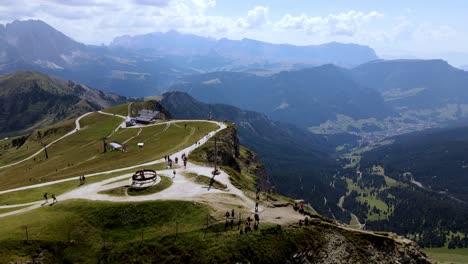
322	240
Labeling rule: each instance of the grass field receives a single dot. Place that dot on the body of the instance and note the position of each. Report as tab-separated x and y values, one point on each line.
370	199
81	153
205	180
150	232
9	154
446	256
121	109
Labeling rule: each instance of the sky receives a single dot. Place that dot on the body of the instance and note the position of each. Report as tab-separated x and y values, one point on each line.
394	29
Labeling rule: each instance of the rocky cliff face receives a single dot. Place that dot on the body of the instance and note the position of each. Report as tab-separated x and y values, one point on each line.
346	245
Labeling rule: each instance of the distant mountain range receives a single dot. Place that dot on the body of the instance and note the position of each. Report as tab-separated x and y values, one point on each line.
415	84
248	50
29	100
304	97
34	45
251	75
382	94
147	64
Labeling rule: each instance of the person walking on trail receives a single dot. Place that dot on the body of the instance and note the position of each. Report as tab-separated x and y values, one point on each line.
227	214
232	213
174	172
54	199
45	197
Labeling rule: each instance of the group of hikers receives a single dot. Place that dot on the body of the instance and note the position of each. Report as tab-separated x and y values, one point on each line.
250	223
169	161
176	161
46	197
299	207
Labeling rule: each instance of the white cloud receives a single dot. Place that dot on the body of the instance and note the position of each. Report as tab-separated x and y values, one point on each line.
99	21
334	24
256	17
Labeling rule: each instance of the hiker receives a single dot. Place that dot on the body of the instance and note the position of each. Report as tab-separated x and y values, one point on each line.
165	157
227	214
54	199
232	213
257	218
176	160
174	172
84	179
295	207
45	197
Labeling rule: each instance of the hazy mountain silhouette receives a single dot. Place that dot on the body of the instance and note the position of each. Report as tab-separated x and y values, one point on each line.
305	97
415	83
248	50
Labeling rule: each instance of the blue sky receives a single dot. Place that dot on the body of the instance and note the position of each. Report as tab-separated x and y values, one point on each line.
395	29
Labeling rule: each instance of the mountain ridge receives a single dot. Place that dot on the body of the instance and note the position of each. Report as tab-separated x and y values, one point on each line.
290	96
190	44
28	98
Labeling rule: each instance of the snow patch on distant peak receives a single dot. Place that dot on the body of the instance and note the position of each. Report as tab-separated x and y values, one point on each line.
213	81
69	59
48	64
282	106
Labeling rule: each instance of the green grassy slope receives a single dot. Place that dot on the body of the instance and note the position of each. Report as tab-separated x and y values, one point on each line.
81	153
17	148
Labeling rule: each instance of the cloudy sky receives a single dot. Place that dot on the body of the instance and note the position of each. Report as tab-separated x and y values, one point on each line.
394	28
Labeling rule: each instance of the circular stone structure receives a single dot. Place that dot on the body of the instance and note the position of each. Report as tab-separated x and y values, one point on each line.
145	179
